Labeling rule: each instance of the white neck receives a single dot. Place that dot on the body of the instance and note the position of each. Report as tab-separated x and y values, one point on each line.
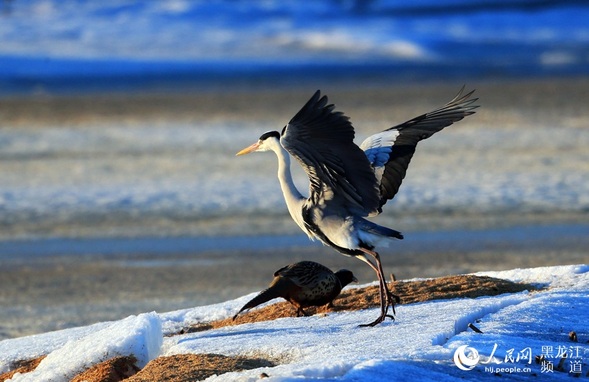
293	198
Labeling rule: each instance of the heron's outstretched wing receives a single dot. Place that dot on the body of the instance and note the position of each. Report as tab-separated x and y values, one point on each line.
390	151
339	172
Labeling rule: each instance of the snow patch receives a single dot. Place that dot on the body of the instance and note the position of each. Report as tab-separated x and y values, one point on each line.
418	345
140	336
472	315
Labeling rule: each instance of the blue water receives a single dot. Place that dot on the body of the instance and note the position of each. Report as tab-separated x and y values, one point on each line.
540	237
57	46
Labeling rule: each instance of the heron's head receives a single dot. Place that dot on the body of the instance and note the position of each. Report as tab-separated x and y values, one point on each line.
345	277
266	142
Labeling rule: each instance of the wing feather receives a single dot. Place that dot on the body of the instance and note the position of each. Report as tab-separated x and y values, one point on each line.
322	140
390	151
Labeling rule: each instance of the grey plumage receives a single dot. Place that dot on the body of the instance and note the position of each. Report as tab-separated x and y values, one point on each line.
322	140
347	183
390	151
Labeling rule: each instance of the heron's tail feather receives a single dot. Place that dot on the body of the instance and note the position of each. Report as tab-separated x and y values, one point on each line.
264	296
378	230
393	233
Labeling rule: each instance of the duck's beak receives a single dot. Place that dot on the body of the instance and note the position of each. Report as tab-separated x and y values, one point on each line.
249	149
354	280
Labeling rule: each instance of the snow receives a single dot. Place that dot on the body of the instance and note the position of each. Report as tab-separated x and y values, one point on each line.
422	343
140	336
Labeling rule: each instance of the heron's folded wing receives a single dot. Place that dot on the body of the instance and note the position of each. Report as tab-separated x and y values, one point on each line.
339	173
390	151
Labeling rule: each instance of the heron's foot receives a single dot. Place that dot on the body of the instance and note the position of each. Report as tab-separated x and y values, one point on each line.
387	300
391	316
392	300
380	319
373	323
383	316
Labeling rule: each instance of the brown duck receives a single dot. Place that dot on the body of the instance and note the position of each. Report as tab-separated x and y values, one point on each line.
303	284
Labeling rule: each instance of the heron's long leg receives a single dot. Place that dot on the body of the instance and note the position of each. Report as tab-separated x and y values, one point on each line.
383	308
386	297
391	298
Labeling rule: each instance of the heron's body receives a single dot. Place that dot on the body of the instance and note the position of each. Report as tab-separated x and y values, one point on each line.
319	220
349	184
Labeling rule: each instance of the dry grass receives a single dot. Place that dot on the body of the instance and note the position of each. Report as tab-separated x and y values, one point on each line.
465	286
112	370
196	367
23	366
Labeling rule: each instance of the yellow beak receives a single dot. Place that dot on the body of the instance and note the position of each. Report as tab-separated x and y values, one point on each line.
249	149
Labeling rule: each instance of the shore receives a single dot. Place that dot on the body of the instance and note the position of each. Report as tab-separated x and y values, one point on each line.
83	285
504	100
77	273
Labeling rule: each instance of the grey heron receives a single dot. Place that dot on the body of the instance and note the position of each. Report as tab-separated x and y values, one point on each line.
350	183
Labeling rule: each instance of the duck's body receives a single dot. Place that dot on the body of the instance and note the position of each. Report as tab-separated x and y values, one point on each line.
303	284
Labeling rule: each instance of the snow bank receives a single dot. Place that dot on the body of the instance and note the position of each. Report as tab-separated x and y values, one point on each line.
564	276
420	345
140	336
